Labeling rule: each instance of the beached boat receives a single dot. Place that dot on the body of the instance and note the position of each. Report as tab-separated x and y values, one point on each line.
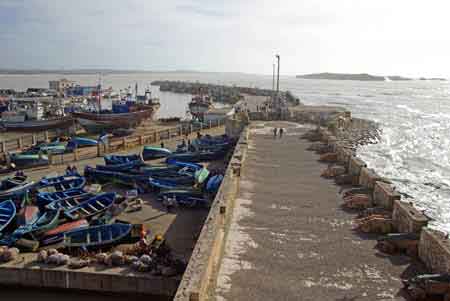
200	156
159	184
61	183
99	236
45	222
152	152
122	159
15	187
104	122
26	160
46	198
55	148
191	166
180	194
123	167
38	125
96	175
56	235
214	183
7	213
92	206
70	202
27	215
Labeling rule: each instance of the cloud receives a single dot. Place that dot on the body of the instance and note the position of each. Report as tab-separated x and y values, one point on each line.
200	11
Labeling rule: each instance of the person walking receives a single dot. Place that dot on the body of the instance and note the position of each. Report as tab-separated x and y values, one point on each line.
275	130
281	132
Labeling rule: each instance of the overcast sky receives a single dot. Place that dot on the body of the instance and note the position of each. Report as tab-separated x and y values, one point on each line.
406	37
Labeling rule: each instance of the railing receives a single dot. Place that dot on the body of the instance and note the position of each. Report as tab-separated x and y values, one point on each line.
112	145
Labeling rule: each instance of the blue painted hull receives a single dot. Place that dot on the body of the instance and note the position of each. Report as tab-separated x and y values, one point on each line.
118	159
62	183
151	153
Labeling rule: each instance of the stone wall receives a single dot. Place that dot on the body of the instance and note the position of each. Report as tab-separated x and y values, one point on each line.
384	195
407	218
434	251
209	247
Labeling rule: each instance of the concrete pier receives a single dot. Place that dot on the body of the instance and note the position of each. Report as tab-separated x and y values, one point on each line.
289	239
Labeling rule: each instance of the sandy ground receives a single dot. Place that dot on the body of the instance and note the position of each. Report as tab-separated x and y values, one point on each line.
289	238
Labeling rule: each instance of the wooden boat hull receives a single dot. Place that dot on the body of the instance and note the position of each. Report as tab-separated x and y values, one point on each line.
45	222
56	235
151	153
7	213
17	190
98	236
123	159
91	207
202	156
46	198
98	123
38	125
61	183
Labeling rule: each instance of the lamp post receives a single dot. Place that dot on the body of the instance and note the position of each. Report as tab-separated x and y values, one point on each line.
273	82
278	74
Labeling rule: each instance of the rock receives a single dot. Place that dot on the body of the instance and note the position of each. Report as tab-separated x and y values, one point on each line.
129	259
42	256
52	252
100	258
146	259
117	258
53	259
168	271
76	264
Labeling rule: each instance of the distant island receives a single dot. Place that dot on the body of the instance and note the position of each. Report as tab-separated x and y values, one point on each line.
360	77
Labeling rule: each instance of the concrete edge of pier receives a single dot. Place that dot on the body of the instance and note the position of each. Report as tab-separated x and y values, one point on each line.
205	259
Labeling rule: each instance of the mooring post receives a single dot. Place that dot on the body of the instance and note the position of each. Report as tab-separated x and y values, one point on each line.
20	143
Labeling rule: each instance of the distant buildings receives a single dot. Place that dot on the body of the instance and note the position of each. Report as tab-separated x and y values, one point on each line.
61	85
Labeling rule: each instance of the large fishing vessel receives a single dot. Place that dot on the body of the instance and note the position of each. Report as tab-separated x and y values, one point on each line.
199	105
127	113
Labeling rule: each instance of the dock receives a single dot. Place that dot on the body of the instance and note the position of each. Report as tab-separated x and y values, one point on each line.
289	239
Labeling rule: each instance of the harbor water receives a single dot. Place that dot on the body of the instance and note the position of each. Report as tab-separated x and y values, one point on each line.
414	117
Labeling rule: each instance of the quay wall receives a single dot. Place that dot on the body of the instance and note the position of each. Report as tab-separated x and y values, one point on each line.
204	263
111	146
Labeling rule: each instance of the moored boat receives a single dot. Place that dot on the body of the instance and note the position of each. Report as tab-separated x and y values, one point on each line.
91	207
26	160
15	187
99	236
200	156
56	235
7	213
199	105
38	125
152	152
46	198
61	183
46	221
122	159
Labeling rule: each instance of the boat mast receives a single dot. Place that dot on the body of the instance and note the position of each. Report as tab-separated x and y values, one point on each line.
99	93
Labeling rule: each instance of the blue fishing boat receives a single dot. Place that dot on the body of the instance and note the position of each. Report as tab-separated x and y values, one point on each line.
96	175
25	160
80	142
15	187
158	184
69	202
152	152
123	167
182	164
200	156
45	198
185	197
55	147
45	222
213	183
121	159
98	236
61	183
91	207
178	179
27	215
7	213
56	235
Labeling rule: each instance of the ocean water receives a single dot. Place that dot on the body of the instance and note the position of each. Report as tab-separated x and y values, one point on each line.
414	116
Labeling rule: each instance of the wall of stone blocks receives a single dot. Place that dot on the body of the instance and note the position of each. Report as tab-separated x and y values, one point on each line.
434	251
407	218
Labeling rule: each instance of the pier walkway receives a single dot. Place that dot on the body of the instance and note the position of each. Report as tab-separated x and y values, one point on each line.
290	240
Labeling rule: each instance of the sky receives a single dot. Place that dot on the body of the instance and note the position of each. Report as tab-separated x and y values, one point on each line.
404	37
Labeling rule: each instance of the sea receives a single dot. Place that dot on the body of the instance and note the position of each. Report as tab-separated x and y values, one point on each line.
414	117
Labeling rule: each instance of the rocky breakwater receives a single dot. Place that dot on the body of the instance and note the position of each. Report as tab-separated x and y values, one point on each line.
380	210
220	93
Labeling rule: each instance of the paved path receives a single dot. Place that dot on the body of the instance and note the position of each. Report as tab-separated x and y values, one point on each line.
289	239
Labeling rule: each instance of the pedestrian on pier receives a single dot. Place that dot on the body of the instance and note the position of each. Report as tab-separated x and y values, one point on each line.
275	130
162	144
281	132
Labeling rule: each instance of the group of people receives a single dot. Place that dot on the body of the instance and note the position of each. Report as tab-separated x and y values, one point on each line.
279	132
72	171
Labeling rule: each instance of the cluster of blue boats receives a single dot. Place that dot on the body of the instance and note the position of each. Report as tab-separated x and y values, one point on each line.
37	155
64	210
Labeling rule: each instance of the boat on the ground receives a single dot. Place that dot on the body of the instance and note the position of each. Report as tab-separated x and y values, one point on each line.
26	160
153	152
45	222
69	202
80	142
122	159
27	215
47	198
61	183
38	125
91	207
214	183
55	147
122	167
7	213
200	156
104	122
99	236
15	187
56	235
159	184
